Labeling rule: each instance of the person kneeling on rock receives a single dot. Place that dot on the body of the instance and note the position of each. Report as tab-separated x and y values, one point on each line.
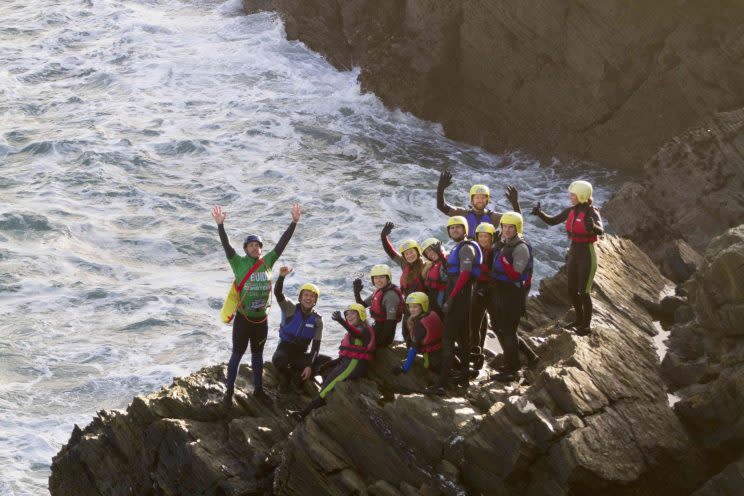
356	351
426	334
300	325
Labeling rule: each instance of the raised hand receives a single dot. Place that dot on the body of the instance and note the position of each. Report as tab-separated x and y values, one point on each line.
218	215
387	229
285	270
445	179
358	286
296	212
536	209
512	195
337	316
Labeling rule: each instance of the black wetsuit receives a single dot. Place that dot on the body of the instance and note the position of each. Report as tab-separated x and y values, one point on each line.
581	262
245	331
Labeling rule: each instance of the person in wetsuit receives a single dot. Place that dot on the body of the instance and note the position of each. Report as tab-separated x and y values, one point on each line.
463	266
300	325
426	334
511	272
250	324
485	301
385	304
435	278
583	225
414	268
356	351
479	197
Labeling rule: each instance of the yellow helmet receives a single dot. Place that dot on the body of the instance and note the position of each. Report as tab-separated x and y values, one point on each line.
514	219
428	243
458	220
408	244
310	287
380	270
480	189
582	190
359	309
485	227
418	298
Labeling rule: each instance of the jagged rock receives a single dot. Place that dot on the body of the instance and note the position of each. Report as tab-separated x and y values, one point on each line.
729	482
592	417
607	81
691	190
680	261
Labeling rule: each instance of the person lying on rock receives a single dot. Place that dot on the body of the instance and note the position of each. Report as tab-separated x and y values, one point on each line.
356	351
463	267
478	211
413	265
485	299
583	225
385	304
436	274
426	334
253	283
300	326
511	271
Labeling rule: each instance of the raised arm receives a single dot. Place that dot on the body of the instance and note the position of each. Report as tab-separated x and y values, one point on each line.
296	213
445	179
551	220
219	217
512	194
284	271
386	245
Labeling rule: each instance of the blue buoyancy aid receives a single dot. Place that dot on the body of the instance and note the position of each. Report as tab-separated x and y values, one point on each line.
498	272
453	260
299	329
475	219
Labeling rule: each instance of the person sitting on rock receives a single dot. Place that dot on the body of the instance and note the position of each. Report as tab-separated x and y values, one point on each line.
436	274
356	351
385	304
253	278
485	301
479	197
413	265
511	271
426	334
583	225
300	325
463	267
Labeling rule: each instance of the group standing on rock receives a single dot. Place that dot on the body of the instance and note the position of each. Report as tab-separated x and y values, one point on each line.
445	300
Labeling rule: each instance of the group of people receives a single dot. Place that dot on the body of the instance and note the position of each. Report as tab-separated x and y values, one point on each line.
444	300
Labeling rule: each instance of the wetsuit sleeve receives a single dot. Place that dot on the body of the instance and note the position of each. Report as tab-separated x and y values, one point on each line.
389	327
356	331
597	228
366	302
229	250
391	302
391	252
410	357
556	219
520	259
467	257
282	244
418	334
278	289
315	347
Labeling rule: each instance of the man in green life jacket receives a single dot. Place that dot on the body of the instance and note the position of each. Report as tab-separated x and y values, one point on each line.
250	324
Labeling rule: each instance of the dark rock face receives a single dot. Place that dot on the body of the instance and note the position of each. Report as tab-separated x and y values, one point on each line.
691	190
706	361
606	81
591	418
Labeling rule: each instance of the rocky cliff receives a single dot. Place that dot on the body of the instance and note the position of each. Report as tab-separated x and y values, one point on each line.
591	418
609	81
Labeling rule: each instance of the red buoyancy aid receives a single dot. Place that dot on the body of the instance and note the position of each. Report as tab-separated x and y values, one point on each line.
352	346
376	309
576	227
434	278
434	330
418	282
486	266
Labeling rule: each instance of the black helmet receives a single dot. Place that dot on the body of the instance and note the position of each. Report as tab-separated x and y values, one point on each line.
253	237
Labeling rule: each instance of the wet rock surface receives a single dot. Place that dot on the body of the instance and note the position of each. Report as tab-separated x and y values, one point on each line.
606	81
592	417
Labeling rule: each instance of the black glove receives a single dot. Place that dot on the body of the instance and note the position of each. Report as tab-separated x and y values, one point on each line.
445	179
387	229
396	370
513	196
536	209
358	286
337	316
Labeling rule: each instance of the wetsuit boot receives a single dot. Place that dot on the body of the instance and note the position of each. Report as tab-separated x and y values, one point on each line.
316	403
227	399
585	328
578	309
